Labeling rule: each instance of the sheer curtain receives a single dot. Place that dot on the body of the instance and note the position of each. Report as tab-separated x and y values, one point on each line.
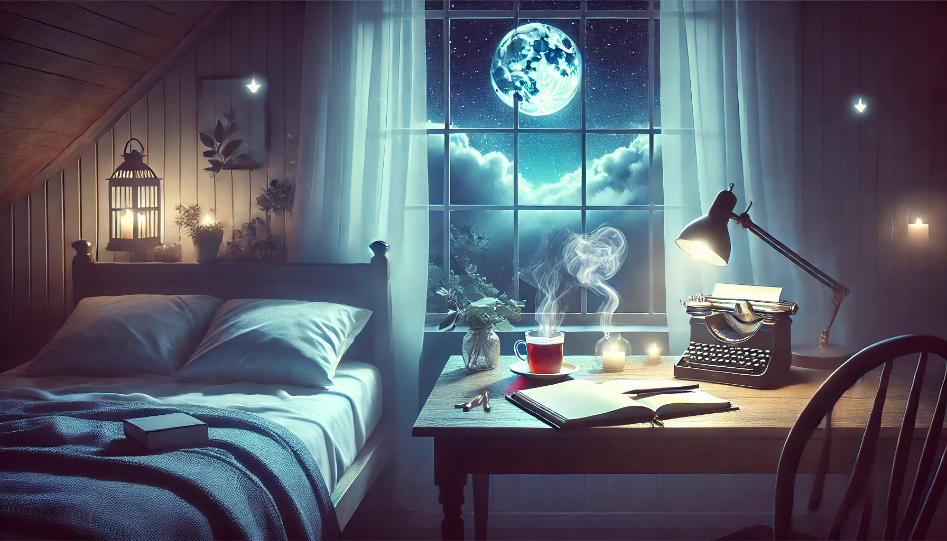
730	75
363	166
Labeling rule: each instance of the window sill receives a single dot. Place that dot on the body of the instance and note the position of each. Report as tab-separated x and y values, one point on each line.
589	328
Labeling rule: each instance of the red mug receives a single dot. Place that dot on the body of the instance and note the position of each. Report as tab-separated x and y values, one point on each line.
543	353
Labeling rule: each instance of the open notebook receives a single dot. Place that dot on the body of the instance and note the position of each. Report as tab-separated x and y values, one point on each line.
581	403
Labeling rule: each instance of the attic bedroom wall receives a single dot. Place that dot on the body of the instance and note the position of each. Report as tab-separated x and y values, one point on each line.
36	231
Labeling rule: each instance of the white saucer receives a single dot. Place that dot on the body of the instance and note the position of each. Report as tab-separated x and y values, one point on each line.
522	368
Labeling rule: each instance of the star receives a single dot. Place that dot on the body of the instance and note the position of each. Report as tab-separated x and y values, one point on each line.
253	86
860	106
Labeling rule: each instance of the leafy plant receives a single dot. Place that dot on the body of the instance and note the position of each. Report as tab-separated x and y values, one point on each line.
189	219
277	197
468	249
222	147
255	240
480	314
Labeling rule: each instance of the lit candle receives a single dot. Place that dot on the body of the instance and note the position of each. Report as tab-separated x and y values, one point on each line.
654	353
918	234
126	224
613	359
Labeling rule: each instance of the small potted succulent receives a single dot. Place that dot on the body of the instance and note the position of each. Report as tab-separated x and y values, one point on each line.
481	347
207	234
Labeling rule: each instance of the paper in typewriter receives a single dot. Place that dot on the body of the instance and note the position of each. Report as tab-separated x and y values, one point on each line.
751	293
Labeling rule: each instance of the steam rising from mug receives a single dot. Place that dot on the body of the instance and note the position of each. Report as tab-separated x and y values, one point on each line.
552	283
593	258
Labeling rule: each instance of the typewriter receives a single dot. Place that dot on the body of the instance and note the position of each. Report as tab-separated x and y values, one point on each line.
738	341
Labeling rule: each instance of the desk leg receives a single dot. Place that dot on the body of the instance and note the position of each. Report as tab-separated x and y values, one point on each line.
450	480
481	493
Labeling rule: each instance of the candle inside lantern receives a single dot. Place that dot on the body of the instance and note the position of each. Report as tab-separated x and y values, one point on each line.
613	359
654	353
918	234
126	224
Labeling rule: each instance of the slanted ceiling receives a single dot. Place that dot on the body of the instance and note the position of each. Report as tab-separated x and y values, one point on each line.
68	70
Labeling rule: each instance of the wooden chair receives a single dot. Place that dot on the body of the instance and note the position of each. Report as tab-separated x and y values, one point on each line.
921	506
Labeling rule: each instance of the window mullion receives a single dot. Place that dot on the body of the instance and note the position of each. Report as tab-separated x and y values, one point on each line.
446	214
651	224
583	292
516	181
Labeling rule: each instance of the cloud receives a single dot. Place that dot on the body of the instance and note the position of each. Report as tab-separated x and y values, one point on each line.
479	179
617	178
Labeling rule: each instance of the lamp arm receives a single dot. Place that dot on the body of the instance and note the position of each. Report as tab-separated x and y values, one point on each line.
839	292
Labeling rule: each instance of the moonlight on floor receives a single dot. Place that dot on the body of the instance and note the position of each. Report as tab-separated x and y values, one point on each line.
539	66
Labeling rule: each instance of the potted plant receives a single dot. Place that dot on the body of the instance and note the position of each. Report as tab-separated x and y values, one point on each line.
481	347
255	240
207	234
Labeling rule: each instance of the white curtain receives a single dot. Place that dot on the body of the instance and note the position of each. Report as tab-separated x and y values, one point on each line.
730	91
363	166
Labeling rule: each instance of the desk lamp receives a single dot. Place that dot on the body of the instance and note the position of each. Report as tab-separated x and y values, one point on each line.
708	239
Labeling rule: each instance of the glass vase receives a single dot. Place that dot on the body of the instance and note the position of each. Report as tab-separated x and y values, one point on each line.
481	349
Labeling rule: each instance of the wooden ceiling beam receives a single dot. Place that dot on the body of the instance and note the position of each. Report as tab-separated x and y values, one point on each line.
190	10
52	140
65	42
142	17
28	56
20	101
42	122
49	84
73	18
121	106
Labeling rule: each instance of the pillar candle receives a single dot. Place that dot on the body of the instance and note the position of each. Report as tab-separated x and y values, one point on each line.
918	234
654	353
126	225
613	360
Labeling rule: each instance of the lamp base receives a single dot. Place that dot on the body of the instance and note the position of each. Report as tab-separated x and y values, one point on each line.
814	356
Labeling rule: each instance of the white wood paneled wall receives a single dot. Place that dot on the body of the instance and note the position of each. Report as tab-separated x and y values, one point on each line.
262	38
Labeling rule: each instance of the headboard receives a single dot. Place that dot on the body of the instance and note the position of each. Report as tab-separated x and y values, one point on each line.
365	285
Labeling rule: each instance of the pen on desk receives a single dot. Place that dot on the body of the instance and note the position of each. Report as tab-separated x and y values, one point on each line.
658	393
473	403
470	403
486	400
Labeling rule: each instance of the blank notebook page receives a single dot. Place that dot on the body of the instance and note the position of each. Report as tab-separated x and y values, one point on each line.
578	399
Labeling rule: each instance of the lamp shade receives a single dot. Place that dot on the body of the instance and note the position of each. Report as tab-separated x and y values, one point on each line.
707	237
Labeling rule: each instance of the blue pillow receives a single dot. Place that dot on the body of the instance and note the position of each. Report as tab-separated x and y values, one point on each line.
275	341
127	335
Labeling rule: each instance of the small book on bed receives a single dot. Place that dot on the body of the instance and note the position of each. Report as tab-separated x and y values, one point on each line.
581	403
173	430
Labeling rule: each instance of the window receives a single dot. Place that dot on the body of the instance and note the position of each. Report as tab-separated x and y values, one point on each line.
567	140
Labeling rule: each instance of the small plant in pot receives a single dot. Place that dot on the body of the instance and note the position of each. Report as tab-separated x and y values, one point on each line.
206	234
481	348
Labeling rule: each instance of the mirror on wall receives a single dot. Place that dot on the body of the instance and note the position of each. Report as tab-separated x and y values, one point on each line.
232	128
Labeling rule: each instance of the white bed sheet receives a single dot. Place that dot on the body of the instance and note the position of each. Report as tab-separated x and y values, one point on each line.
333	422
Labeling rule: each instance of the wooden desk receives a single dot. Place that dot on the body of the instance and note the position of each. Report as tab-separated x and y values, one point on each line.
509	440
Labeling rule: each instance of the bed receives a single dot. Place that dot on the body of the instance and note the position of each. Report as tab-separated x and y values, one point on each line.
346	429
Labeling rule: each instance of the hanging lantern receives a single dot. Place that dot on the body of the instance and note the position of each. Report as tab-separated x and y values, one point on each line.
134	204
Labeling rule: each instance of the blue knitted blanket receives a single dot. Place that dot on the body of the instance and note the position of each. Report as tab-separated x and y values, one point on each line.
68	472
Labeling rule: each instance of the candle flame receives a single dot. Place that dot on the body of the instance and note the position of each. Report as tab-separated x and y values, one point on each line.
654	349
207	220
919	222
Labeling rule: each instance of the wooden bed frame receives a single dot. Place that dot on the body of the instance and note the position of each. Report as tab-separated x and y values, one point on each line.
365	285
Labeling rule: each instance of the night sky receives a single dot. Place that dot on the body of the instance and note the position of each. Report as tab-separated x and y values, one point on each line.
615	63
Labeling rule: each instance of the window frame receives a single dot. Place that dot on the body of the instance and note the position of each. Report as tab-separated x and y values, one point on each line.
584	318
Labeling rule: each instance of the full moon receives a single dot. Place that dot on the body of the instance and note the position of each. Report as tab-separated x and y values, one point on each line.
538	66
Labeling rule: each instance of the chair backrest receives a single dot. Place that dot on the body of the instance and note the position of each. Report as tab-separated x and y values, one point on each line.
916	519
